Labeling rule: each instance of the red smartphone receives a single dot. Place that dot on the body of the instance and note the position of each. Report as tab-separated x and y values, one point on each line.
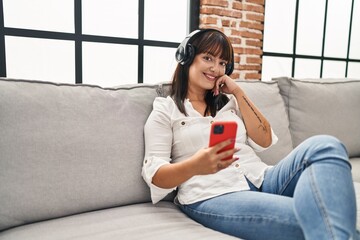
221	131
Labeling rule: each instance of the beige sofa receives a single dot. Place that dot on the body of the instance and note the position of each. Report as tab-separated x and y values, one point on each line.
71	155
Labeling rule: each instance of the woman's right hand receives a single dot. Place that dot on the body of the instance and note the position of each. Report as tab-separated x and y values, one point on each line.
203	162
209	160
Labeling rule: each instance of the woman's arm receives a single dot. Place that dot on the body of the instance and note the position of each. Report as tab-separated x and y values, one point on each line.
257	126
205	161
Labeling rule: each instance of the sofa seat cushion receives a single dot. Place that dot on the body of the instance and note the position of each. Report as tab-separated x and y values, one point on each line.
323	106
139	221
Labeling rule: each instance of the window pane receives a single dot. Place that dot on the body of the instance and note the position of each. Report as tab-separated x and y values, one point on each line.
310	27
337	28
353	70
115	18
279	26
49	15
159	64
167	22
355	32
275	67
334	69
307	68
40	59
109	65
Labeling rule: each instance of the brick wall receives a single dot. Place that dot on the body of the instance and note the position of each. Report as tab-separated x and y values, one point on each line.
243	22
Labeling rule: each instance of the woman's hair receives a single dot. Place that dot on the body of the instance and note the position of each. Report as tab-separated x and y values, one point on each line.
215	43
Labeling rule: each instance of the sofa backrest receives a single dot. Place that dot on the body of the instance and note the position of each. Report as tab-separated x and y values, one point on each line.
66	149
323	106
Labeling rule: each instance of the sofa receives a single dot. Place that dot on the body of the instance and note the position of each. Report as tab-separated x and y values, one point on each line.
71	155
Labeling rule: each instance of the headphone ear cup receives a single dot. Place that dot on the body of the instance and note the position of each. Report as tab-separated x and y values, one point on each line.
189	54
180	54
229	68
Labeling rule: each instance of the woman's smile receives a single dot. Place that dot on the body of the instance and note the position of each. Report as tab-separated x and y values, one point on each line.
210	77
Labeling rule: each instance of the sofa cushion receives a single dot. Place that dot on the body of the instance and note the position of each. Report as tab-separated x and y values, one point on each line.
357	195
355	164
139	221
68	148
323	106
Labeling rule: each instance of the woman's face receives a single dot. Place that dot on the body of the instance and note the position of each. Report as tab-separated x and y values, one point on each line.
204	71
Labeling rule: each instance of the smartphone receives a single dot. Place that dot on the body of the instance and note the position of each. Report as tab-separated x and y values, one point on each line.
221	131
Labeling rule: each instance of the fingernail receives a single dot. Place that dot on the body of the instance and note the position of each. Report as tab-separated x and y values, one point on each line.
237	158
237	149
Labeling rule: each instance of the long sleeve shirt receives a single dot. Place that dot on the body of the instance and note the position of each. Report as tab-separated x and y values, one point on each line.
171	137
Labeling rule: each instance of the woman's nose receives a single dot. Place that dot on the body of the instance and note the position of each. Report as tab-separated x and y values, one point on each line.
214	67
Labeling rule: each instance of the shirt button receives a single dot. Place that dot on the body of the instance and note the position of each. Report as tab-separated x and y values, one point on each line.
211	122
237	165
182	123
145	161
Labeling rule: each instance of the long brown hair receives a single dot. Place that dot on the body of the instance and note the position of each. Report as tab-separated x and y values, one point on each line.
215	43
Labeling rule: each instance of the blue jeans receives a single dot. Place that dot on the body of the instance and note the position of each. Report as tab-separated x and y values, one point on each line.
308	195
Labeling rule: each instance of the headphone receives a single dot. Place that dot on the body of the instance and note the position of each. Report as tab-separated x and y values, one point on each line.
185	53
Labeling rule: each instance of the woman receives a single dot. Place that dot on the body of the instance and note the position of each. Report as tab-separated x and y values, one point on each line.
309	194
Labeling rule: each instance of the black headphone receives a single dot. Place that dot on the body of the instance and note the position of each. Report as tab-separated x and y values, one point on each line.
185	53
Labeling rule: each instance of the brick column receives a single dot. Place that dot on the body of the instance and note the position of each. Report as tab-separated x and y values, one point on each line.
243	22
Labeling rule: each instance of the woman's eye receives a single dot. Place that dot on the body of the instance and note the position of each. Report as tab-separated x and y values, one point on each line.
207	58
223	64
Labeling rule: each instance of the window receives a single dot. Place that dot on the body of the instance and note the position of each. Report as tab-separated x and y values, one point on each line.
311	39
108	43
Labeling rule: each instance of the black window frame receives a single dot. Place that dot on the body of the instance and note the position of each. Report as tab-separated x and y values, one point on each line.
79	38
322	58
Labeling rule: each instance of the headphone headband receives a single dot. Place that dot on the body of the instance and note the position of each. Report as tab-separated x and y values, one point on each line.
185	53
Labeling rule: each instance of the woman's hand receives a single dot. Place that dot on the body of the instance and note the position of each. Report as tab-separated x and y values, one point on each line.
209	160
227	85
257	126
203	162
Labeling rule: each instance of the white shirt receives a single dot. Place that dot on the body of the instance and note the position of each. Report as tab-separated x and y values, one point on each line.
170	136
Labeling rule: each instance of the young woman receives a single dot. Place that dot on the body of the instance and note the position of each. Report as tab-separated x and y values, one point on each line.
309	194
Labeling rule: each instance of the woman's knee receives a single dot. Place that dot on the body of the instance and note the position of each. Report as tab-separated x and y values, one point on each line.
329	146
326	142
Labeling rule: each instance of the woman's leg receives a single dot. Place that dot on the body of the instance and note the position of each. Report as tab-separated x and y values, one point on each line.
318	176
248	215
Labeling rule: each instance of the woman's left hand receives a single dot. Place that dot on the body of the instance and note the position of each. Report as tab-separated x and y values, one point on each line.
225	84
257	126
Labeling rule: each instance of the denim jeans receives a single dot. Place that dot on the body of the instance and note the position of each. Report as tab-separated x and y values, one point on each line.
308	195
